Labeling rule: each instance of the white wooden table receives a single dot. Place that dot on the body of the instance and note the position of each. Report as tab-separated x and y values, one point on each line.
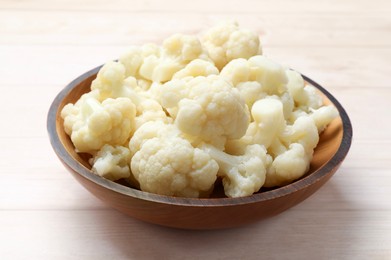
46	214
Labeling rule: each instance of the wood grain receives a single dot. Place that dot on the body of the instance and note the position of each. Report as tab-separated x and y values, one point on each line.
344	45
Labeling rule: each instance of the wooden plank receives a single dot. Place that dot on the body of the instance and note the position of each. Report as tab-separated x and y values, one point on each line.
111	28
109	234
204	6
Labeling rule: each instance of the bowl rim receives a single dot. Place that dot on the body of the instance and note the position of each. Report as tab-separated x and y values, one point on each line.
300	184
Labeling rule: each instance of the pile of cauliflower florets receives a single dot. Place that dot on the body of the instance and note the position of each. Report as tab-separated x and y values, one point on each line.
173	119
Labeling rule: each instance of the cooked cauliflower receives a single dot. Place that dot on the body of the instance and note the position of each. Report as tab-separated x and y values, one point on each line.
242	175
268	124
207	108
112	162
304	96
323	116
257	78
227	41
92	124
111	83
132	60
170	165
197	68
177	51
282	141
288	166
171	119
150	110
151	130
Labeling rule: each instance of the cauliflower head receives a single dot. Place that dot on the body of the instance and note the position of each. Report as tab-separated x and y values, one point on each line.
170	165
207	108
92	124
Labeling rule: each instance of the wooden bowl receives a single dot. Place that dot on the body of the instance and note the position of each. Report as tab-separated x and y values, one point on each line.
210	213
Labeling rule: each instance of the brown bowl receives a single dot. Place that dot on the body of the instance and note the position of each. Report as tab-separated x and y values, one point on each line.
192	213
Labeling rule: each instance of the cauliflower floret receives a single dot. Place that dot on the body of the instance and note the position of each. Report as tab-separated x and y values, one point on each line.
207	108
288	166
170	165
197	68
302	131
243	77
150	110
292	149
177	51
92	124
111	83
241	175
258	78
132	60
151	130
227	41
323	116
304	96
270	129
268	123
134	56
308	102
281	140
270	74
112	162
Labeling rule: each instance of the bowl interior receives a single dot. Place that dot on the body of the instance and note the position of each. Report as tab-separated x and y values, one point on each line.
329	143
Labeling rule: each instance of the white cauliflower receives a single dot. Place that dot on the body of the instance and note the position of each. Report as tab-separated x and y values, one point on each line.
170	119
283	142
132	60
207	108
150	110
134	57
257	78
304	96
241	175
169	165
323	116
268	124
177	51
288	166
92	124
110	82
227	41
112	162
197	68
151	130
